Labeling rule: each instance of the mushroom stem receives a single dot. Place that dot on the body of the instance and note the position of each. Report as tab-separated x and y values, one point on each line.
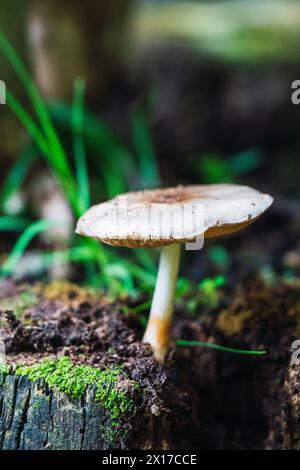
160	319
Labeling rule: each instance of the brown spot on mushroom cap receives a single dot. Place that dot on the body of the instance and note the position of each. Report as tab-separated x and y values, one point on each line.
226	209
176	195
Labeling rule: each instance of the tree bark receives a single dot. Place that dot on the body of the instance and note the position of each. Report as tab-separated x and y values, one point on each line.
35	417
291	409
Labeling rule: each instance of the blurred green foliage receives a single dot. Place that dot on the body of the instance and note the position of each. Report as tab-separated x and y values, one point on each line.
220	257
237	31
214	169
118	169
117	165
194	298
209	290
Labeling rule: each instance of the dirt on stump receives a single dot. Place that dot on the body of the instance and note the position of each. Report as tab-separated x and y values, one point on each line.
61	319
220	401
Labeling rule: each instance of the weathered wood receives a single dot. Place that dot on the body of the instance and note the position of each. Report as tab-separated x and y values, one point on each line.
220	401
291	409
77	377
34	417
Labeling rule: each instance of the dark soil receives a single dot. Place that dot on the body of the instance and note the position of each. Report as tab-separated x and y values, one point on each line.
240	398
220	401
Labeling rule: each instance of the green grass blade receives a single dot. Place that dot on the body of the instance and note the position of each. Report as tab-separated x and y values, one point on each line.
78	143
32	91
245	162
54	163
142	307
145	259
13	224
181	342
76	254
100	253
143	144
113	179
29	124
17	252
54	146
45	260
140	274
17	174
117	164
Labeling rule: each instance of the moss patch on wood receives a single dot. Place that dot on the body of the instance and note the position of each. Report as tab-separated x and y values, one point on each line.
5	369
113	389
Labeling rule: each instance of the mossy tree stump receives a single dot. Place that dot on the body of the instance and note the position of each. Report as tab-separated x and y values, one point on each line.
35	417
77	377
202	399
57	405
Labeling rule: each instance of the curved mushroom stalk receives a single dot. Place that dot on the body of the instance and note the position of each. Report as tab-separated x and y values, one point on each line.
160	319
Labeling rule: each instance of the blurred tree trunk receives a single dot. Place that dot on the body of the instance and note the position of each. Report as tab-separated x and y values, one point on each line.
76	39
62	40
12	17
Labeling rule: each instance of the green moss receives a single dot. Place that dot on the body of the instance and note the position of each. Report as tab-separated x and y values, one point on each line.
114	433
36	405
4	369
73	380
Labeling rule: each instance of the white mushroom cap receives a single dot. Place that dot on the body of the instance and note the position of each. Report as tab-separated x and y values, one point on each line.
174	215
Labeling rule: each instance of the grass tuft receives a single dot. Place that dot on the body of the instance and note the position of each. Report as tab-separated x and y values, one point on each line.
117	171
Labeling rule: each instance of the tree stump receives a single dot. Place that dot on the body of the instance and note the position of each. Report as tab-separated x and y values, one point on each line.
35	417
201	399
77	377
291	410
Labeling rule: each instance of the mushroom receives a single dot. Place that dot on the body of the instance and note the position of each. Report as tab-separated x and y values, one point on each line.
167	218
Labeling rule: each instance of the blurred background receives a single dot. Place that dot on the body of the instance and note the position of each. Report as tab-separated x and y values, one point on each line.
105	97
